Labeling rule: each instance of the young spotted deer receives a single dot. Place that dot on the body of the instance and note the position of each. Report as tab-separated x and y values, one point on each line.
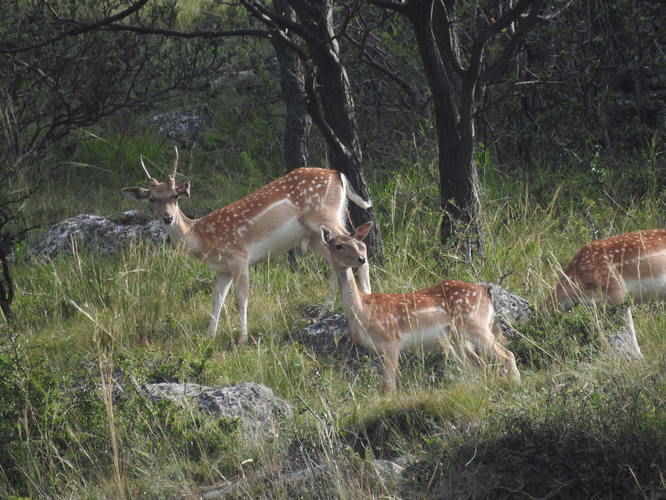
611	269
388	324
282	215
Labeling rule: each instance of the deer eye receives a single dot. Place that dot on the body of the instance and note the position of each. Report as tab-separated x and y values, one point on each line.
338	247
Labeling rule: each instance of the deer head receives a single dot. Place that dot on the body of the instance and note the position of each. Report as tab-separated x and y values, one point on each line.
163	196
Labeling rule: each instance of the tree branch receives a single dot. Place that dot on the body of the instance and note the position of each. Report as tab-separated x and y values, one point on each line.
314	108
395	5
80	29
498	66
142	30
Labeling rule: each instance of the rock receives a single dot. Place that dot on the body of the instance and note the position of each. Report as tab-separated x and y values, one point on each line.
132	217
328	337
331	338
180	394
510	309
390	471
257	408
301	483
184	127
264	483
623	343
97	233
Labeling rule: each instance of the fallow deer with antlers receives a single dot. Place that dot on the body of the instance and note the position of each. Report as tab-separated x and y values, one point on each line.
609	270
282	215
388	324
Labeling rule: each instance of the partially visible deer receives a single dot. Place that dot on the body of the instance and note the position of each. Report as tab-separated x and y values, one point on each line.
611	269
388	324
282	215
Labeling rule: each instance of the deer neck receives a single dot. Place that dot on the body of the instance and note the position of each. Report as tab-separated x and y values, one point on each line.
182	231
349	294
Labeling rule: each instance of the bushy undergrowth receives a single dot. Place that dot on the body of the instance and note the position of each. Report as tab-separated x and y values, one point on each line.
601	439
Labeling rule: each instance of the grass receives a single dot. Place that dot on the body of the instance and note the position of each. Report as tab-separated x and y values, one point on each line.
141	315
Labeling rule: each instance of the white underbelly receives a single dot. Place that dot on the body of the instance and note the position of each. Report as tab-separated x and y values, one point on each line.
288	234
424	339
647	288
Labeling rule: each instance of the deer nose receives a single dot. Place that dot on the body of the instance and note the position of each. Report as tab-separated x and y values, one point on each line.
361	260
168	219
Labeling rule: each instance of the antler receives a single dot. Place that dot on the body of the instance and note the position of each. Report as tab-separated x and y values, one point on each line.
175	163
150	178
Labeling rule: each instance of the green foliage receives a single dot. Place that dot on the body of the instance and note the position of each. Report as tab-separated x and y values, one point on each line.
592	440
394	426
559	338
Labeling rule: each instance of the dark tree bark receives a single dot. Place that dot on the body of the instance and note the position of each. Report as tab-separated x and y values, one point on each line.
6	288
12	228
292	83
454	114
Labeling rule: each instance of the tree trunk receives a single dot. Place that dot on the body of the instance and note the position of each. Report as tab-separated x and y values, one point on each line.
459	179
332	108
6	288
292	83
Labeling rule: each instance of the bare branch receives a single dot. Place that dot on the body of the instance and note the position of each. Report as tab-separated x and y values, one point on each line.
525	25
314	108
395	5
205	34
81	29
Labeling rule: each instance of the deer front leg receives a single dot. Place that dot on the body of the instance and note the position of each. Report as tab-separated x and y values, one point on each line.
219	295
389	361
364	278
242	286
317	245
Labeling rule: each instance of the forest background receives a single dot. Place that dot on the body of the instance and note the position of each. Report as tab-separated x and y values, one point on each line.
494	138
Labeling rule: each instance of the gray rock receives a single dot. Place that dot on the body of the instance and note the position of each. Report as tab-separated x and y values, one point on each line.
510	309
257	408
390	472
132	218
331	338
180	394
328	337
244	486
95	232
184	127
623	343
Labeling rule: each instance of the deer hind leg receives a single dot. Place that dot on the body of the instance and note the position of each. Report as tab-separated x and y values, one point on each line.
219	295
482	336
242	289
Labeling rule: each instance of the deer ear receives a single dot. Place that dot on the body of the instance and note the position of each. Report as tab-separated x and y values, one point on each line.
184	189
326	235
362	231
136	192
